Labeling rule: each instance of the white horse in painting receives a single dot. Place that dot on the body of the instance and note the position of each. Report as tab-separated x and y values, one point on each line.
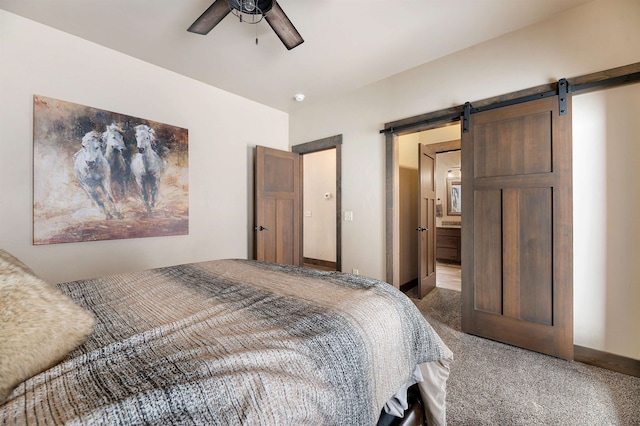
146	166
115	154
92	171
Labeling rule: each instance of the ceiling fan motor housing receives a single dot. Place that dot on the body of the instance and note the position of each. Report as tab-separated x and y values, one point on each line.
252	7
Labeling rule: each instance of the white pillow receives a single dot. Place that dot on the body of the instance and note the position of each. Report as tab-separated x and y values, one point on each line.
39	325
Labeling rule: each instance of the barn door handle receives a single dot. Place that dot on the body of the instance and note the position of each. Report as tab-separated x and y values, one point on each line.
421	229
260	228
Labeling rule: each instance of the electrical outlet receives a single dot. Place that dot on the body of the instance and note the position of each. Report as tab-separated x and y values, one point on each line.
354	271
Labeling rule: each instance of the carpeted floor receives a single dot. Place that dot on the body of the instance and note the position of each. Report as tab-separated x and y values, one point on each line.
496	384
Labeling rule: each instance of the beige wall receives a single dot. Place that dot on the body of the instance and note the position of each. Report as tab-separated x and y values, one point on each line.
320	212
35	59
606	222
408	155
599	35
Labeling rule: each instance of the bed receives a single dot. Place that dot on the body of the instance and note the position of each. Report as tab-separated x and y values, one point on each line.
223	342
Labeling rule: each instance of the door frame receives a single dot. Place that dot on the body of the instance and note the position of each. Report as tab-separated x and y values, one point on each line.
392	195
331	142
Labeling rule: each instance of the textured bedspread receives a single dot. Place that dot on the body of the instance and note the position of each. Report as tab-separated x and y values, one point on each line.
232	342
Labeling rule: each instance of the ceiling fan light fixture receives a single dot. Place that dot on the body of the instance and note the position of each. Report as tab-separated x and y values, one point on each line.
250	11
249	5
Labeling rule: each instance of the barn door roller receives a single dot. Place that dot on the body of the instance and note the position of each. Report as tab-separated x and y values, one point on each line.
561	91
465	117
563	88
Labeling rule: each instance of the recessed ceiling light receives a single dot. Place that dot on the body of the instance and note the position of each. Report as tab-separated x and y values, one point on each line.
299	97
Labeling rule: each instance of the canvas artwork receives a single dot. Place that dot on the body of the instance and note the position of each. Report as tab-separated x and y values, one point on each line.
454	197
101	175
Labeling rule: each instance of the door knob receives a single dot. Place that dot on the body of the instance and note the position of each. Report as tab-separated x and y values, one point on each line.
421	229
260	228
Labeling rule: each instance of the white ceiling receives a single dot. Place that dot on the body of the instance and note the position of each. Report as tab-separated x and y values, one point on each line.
348	43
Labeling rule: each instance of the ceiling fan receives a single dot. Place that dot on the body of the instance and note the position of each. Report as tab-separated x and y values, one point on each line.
256	9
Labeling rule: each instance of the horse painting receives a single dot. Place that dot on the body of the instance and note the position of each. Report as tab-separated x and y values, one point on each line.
146	165
115	153
92	171
129	179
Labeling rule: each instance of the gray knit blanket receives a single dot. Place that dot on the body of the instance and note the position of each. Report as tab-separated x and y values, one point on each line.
232	342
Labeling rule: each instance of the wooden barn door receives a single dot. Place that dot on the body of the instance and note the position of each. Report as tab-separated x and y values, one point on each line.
517	227
278	206
427	218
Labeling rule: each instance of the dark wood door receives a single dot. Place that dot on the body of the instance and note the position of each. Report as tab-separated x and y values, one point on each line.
517	227
278	206
427	218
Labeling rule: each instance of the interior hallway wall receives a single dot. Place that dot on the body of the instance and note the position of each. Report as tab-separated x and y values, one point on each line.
319	233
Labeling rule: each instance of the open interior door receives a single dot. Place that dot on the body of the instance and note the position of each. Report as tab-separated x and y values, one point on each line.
427	219
278	206
517	226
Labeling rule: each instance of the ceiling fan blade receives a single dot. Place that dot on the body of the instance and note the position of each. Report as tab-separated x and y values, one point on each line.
278	20
211	17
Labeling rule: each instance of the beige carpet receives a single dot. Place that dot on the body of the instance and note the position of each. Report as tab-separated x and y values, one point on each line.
496	384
